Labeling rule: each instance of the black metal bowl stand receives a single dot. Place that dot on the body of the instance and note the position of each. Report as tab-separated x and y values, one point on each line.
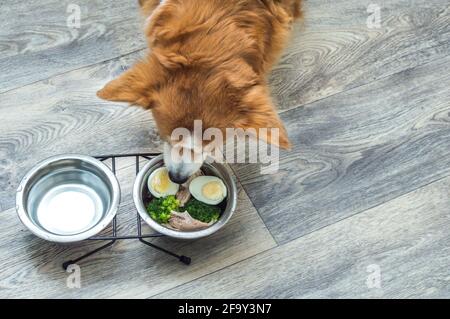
139	236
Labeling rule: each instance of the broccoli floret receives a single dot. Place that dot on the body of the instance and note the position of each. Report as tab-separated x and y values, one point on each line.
160	209
202	212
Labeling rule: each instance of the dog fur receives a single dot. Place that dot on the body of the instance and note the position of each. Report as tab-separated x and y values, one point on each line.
209	60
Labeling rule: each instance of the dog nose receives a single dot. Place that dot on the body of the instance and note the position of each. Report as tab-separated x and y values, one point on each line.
176	178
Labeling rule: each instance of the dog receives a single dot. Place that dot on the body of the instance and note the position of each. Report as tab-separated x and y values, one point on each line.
209	61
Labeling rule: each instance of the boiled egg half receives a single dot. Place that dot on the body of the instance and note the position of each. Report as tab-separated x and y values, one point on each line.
160	185
208	189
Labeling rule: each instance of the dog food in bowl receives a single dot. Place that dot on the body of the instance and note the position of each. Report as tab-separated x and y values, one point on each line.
198	208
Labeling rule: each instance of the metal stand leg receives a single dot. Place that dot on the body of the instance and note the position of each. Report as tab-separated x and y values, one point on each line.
112	239
66	264
184	259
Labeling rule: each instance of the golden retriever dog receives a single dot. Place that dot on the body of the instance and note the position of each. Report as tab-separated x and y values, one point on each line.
209	61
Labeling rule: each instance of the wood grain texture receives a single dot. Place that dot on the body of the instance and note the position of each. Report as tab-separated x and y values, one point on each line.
334	50
356	150
63	115
406	240
374	124
37	43
58	107
32	267
331	52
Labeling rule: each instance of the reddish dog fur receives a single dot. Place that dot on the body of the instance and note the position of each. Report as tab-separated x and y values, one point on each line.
209	60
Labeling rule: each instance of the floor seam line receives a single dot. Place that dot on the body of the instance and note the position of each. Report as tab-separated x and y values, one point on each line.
254	206
279	245
215	271
365	210
73	70
364	84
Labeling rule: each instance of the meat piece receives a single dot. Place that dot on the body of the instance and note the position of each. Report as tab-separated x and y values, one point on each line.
183	194
185	222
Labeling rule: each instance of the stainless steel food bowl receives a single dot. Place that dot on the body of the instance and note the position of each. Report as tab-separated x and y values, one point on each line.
68	198
140	192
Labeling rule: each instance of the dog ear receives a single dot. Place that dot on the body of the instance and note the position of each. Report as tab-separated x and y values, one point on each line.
258	112
148	6
133	86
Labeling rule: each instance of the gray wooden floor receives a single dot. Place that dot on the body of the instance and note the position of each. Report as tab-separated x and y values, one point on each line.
359	208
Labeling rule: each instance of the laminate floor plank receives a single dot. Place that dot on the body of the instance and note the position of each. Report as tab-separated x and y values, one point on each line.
356	150
395	250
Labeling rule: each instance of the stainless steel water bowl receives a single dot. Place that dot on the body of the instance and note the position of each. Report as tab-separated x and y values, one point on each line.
140	193
68	198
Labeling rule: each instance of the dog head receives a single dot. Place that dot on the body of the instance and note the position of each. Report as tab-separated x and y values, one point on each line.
183	83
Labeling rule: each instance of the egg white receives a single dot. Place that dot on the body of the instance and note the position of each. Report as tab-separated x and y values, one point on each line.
196	185
172	190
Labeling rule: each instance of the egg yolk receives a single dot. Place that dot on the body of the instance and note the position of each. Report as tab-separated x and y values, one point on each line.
212	190
161	182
